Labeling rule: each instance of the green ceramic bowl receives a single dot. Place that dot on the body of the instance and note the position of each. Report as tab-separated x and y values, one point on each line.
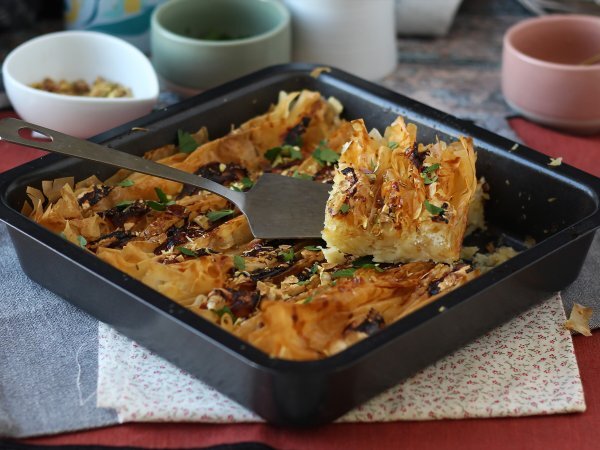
198	44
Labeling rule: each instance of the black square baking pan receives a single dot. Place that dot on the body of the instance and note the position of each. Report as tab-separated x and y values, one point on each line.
307	393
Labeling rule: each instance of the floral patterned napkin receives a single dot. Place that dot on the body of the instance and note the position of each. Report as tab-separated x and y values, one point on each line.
525	367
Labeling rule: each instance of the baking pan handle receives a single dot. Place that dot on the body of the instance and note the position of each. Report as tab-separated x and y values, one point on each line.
54	141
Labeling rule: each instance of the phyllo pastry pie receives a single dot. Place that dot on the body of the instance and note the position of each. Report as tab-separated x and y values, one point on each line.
293	299
398	200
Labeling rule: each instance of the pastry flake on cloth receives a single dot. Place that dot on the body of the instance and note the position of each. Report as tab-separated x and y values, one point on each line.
398	200
579	320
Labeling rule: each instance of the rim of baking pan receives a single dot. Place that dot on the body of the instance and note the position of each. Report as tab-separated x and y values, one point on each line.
245	351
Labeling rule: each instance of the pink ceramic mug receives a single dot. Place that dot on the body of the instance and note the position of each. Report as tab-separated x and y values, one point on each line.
544	72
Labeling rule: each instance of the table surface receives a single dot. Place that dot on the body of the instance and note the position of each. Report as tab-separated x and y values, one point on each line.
458	74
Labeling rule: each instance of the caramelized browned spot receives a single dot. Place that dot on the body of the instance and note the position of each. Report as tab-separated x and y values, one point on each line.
119	215
178	236
95	195
230	174
294	134
116	239
370	325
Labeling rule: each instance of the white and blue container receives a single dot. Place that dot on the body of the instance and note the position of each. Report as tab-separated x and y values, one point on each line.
127	19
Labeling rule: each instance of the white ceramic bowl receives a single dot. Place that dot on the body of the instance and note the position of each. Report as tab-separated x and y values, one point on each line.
73	55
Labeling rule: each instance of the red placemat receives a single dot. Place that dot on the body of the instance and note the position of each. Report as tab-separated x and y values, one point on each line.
582	152
576	431
579	431
12	155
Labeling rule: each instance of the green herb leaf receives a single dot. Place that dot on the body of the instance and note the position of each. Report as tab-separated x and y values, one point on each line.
372	165
428	180
162	197
324	155
82	241
272	153
311	272
302	176
308	299
287	256
362	262
393	145
276	154
213	216
345	208
124	204
431	168
156	205
343	273
433	210
312	248
243	185
294	152
187	252
186	142
366	262
247	183
239	263
224	310
126	183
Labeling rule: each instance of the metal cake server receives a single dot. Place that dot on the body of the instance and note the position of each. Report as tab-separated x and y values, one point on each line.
277	207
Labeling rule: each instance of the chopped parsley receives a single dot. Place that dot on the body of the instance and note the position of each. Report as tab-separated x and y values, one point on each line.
324	155
312	248
308	299
311	272
366	262
224	310
157	206
213	216
187	252
243	185
162	197
393	145
186	142
126	183
427	170
287	256
277	154
239	263
124	204
247	183
372	165
434	210
162	203
82	241
301	176
342	273
345	208
428	180
431	168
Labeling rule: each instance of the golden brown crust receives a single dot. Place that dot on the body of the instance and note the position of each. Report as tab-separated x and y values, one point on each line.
282	297
398	201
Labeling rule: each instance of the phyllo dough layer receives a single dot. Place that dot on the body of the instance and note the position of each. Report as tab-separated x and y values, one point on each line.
398	200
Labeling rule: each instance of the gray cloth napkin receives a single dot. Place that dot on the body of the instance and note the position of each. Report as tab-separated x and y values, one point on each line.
48	357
